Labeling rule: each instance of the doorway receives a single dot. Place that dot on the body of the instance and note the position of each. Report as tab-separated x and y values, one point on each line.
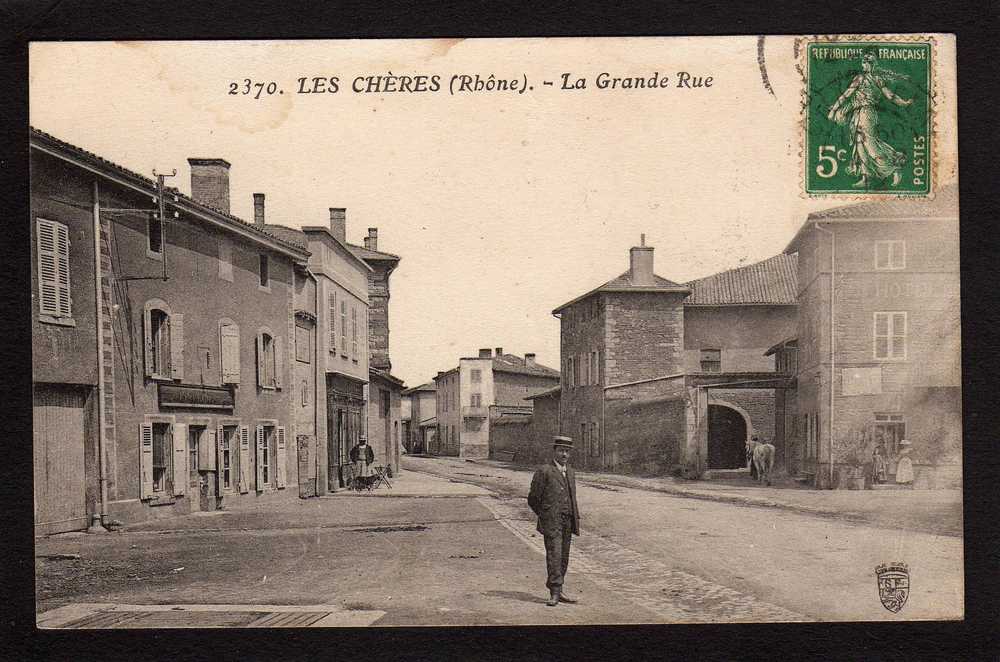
727	435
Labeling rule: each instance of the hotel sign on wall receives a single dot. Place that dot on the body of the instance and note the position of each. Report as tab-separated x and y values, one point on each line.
861	381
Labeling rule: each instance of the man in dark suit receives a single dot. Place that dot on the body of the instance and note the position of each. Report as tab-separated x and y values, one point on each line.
553	499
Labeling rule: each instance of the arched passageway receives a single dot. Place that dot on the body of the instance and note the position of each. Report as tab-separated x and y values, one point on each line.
727	435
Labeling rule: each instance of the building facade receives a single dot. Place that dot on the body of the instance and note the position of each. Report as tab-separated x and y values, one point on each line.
879	339
193	383
482	389
423	414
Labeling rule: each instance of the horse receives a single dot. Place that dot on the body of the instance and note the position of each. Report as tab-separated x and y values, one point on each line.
763	461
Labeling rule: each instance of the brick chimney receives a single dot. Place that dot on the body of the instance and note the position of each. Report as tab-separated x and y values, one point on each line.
338	223
371	241
210	182
529	360
258	209
641	264
485	353
499	352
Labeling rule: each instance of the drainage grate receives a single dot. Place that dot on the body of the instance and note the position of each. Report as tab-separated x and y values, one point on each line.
391	529
289	619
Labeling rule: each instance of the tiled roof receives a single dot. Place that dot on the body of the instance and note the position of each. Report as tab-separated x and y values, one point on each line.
515	364
423	387
43	138
369	254
623	283
771	281
943	206
944	203
552	392
288	234
386	375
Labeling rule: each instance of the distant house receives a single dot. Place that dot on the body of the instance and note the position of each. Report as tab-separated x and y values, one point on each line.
480	390
423	421
893	363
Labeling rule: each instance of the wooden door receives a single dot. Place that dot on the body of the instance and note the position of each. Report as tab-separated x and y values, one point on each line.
58	434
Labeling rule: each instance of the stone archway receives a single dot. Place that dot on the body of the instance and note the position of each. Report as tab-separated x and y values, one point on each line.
728	429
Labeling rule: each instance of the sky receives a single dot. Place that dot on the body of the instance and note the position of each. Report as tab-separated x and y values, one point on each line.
501	205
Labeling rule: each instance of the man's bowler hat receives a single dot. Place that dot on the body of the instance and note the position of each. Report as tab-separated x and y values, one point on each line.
562	441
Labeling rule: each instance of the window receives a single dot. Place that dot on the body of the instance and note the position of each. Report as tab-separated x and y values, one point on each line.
476	400
54	301
229	351
302	352
154	232
584	437
711	360
270	457
266	454
812	436
343	327
354	333
595	440
161	457
305	393
890	255
477	375
227	458
226	259
890	429
163	340
194	438
584	369
332	301
265	276
890	335
270	363
572	372
205	364
593	369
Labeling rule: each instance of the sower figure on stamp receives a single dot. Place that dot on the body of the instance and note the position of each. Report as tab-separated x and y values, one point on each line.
553	499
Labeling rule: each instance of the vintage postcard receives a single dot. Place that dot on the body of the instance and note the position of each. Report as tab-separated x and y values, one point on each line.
575	331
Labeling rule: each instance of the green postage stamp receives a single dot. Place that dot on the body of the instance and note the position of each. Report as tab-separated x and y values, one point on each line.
868	116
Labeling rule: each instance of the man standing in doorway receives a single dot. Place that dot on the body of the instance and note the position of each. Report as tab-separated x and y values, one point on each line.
553	499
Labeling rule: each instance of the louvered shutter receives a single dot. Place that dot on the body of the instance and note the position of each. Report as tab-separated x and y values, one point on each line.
244	459
177	346
146	460
260	360
147	344
260	457
279	459
53	269
207	451
279	362
180	434
220	446
230	351
333	321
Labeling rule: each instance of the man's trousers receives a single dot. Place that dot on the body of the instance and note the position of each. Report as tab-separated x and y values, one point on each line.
557	551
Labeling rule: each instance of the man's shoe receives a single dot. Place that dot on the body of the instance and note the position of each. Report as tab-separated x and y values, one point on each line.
553	598
564	598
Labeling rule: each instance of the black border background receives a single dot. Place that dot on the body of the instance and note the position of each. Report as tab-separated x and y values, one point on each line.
976	26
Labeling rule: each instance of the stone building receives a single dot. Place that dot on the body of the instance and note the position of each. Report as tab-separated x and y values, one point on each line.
384	389
481	390
657	374
879	359
162	380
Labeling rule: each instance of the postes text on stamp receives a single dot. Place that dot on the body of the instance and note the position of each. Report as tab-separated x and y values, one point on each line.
868	124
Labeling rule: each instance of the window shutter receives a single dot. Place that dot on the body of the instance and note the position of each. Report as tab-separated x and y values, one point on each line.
279	362
244	459
230	352
333	321
260	360
180	433
207	451
146	460
260	458
279	459
147	333
62	261
220	442
48	268
177	346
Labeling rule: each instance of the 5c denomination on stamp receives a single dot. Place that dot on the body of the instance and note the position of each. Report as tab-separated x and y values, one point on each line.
868	116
